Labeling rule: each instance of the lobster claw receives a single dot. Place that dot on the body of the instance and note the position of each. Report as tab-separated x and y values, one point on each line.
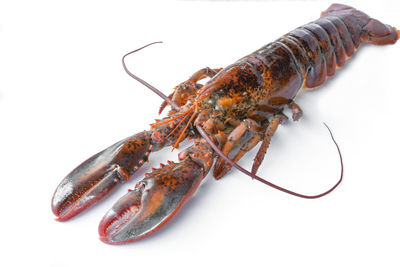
99	175
154	201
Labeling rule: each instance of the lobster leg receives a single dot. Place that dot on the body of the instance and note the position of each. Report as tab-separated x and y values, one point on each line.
279	118
203	73
156	198
221	168
189	88
235	138
247	146
296	110
269	132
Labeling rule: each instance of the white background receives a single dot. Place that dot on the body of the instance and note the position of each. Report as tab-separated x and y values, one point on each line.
64	96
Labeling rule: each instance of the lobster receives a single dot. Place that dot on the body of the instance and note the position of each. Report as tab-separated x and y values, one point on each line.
239	107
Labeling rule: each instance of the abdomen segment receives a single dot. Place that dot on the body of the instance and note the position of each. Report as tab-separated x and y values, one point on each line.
321	46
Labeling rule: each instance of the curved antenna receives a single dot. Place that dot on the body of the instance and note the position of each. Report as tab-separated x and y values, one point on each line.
152	88
234	164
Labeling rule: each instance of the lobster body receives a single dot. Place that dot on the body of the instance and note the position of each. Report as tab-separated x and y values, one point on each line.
240	106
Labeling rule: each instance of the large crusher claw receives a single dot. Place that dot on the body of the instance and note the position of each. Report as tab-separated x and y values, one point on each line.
157	198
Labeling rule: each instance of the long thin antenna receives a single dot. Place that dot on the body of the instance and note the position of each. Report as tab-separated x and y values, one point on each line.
152	88
234	164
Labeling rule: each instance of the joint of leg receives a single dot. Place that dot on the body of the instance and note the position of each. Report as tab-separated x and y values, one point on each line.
296	111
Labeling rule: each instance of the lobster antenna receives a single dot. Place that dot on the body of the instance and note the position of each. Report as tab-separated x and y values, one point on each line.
231	162
152	88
